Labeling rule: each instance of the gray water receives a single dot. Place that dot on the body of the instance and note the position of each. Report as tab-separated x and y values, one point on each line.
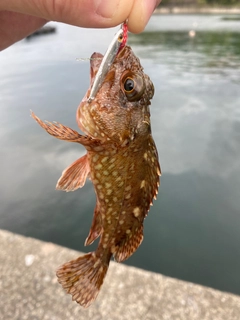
193	230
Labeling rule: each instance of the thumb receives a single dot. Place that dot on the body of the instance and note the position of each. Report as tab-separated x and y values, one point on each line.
87	13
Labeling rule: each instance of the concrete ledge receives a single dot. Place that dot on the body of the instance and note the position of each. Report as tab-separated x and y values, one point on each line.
29	290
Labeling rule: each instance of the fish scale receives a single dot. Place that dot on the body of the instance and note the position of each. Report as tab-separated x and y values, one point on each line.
122	163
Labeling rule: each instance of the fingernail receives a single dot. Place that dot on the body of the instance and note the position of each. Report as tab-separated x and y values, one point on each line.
106	8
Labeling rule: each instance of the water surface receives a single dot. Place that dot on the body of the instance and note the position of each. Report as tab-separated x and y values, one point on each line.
192	231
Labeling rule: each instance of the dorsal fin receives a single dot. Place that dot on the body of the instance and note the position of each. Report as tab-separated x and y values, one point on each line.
74	176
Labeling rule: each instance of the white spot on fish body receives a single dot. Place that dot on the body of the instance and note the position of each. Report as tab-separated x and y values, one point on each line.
120	184
98	175
136	211
111	166
98	166
109	210
142	184
112	160
109	191
98	148
108	185
104	159
101	195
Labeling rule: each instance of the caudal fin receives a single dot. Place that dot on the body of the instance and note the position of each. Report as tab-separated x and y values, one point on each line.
83	277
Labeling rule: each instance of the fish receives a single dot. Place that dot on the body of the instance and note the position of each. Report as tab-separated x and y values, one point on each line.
122	162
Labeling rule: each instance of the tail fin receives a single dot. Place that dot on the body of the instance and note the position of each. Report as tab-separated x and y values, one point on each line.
83	277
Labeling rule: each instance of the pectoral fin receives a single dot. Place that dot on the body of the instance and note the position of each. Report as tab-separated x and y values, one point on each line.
62	132
74	176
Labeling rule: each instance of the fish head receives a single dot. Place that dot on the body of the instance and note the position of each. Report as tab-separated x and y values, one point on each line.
120	110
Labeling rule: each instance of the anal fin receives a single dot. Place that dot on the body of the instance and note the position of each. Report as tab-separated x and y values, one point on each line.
74	176
129	244
96	227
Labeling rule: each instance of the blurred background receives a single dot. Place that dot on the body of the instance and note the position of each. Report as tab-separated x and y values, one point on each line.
193	229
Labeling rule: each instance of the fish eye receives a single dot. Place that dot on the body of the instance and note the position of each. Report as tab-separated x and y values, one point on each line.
132	85
129	85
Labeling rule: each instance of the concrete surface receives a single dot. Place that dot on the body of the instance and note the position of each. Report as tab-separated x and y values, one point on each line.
29	290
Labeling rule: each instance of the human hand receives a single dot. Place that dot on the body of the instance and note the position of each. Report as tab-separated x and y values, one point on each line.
19	18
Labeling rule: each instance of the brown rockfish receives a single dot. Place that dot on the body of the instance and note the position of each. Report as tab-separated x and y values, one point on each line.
122	163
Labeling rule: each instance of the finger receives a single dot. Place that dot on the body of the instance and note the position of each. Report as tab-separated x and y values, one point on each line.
140	14
87	13
16	26
83	13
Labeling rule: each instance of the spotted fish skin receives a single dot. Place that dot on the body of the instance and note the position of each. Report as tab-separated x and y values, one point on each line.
122	163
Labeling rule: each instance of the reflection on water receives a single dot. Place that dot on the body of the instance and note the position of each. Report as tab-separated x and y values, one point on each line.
192	231
205	50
